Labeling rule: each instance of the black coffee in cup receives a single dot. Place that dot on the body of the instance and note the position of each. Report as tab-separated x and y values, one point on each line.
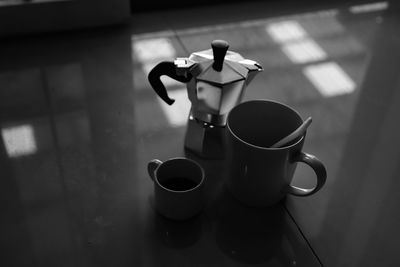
179	183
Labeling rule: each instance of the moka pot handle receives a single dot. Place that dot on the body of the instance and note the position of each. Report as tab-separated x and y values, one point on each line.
165	68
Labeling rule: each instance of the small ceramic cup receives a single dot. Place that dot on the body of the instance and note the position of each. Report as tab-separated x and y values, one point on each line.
178	187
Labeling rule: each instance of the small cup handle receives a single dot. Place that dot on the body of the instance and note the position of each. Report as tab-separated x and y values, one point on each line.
152	167
319	170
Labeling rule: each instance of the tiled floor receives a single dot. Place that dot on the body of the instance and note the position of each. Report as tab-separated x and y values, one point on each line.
79	122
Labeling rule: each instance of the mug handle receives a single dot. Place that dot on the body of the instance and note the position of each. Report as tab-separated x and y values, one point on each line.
319	170
152	167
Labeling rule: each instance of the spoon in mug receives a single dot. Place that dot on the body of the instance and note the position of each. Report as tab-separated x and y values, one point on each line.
295	134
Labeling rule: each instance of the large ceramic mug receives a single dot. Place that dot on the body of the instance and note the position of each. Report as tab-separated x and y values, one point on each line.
257	174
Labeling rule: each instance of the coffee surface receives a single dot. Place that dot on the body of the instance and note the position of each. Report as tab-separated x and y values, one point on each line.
179	183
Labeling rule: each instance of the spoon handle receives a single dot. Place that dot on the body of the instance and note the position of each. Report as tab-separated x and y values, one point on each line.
297	133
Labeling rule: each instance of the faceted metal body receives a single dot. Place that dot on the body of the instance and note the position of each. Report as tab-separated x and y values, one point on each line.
213	94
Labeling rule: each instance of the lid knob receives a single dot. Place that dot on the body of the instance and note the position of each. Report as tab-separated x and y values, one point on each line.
219	48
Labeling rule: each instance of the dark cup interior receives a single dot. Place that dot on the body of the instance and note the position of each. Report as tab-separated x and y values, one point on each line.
262	123
179	174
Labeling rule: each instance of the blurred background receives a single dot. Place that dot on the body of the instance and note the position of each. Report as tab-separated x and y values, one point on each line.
79	122
28	16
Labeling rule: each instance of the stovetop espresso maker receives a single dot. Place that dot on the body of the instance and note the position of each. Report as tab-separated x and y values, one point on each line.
216	80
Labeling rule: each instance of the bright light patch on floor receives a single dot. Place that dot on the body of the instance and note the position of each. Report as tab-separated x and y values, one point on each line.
19	140
150	50
372	7
329	79
304	51
286	31
177	113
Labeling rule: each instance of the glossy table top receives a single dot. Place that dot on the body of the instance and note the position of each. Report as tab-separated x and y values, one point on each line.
79	122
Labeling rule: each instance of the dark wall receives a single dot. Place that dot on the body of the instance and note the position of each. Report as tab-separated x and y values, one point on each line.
154	5
61	15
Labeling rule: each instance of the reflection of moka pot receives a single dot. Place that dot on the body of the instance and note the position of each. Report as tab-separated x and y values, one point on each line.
216	79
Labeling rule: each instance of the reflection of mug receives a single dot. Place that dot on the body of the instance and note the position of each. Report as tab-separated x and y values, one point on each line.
257	174
178	187
251	235
178	234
